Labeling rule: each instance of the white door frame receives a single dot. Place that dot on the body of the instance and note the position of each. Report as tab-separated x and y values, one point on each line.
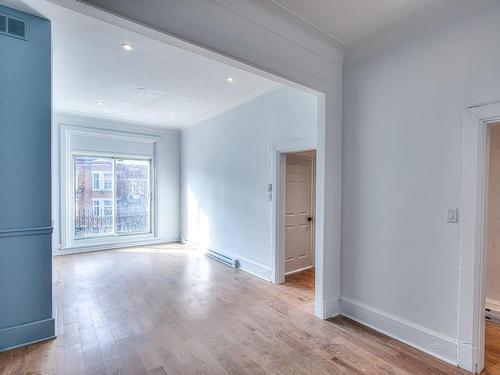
471	308
328	144
279	151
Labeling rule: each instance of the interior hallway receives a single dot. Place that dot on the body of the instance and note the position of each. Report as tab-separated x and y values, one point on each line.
171	310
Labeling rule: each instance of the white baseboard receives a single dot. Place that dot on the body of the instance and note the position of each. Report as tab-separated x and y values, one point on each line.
255	268
465	356
328	308
245	264
111	246
422	338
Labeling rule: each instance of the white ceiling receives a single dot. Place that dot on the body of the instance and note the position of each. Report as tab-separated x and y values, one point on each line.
351	20
155	84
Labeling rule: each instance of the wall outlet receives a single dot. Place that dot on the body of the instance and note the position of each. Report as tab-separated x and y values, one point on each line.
452	215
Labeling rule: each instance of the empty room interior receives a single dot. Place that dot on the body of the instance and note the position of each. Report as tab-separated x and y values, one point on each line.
249	187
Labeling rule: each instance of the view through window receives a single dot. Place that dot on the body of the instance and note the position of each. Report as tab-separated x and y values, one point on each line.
112	196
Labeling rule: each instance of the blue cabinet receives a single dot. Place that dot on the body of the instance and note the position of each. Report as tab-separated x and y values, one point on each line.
25	206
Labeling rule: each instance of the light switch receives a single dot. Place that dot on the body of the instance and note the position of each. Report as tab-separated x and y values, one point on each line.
452	215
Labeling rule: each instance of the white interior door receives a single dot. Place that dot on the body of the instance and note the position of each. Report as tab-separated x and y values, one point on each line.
298	213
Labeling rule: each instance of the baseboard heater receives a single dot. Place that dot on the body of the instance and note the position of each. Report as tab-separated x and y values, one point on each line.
223	258
492	315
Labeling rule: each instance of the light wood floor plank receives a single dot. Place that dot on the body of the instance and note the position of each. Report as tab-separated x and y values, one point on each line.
168	309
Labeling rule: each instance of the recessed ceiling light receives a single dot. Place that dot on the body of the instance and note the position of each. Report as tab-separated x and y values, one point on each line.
230	79
99	103
127	46
170	117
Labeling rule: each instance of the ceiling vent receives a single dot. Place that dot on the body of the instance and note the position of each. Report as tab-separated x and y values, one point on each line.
136	95
12	26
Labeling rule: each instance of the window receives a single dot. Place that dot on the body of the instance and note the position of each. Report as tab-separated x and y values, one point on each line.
112	196
108	207
102	207
96	208
108	181
90	218
96	181
102	180
132	196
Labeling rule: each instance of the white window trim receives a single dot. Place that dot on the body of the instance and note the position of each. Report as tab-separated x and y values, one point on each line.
67	152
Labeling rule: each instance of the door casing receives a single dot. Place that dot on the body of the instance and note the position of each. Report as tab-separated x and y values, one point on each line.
471	301
278	171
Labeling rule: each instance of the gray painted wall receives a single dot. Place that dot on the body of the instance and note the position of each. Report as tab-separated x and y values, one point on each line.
402	164
225	168
25	215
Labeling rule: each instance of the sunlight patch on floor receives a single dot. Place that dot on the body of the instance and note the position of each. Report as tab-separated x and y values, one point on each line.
173	248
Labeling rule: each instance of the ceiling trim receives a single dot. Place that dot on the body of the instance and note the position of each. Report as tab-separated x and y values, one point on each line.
337	40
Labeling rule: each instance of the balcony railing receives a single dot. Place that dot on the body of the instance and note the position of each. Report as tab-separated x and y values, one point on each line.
87	224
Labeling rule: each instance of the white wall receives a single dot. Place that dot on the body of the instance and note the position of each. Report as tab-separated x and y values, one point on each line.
226	165
167	160
402	129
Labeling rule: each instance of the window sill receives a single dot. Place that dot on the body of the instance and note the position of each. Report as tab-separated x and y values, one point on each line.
115	243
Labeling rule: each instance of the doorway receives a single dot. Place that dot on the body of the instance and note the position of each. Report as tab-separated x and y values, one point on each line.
492	251
296	224
299	212
476	123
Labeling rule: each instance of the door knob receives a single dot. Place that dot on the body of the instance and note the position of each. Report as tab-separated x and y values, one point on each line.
309	218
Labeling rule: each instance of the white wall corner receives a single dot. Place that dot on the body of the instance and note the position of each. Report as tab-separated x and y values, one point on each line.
327	308
422	338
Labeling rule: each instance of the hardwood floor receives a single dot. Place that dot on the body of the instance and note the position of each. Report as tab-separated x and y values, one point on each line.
300	289
170	310
492	352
